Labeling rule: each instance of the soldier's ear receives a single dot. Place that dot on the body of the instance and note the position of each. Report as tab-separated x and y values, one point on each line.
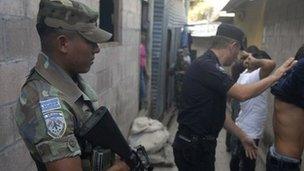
63	43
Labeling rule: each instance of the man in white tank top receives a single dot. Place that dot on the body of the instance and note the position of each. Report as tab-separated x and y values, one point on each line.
253	113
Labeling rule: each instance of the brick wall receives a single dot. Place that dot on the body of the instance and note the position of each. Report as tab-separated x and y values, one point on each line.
114	74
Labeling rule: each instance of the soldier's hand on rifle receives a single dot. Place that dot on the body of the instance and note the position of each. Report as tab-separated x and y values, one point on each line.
119	166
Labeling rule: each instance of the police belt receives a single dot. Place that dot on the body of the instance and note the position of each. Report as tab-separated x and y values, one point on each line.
190	136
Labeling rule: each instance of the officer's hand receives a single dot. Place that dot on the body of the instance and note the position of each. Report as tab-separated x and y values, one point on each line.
290	62
119	166
250	147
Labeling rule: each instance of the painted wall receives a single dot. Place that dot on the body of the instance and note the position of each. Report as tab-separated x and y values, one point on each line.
250	17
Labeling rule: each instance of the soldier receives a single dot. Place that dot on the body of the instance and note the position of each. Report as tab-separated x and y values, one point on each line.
55	101
180	68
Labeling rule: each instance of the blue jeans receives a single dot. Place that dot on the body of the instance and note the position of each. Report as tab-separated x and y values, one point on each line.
278	162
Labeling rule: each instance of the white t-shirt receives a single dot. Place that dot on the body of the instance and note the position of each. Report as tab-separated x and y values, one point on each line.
254	111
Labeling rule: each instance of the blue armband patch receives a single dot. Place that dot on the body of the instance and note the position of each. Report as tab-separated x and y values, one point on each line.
49	105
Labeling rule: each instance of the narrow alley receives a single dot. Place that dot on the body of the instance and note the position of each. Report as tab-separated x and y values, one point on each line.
63	60
222	156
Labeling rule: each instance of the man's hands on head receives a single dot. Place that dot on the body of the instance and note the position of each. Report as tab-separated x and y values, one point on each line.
243	55
250	61
246	91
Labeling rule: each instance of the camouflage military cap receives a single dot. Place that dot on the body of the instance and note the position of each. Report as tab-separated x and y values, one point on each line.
72	15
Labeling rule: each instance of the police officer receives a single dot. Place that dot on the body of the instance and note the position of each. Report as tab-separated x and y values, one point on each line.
205	89
55	101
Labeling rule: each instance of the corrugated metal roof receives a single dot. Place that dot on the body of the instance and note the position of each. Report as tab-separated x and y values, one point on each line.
233	4
204	30
176	13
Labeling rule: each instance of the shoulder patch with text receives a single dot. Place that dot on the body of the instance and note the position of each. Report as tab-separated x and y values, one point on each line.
49	105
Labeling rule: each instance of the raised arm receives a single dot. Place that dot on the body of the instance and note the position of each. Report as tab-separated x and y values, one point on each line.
266	65
247	91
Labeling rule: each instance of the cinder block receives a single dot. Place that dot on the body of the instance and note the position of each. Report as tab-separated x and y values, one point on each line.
31	8
31	167
16	157
21	38
91	79
9	7
8	130
13	75
110	56
301	26
116	74
99	61
2	41
136	6
131	37
131	20
130	111
299	10
103	80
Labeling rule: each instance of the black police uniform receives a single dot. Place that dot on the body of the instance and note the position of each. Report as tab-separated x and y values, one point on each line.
202	115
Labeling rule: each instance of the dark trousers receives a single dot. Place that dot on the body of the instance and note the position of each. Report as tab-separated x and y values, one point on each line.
274	164
195	155
239	161
235	109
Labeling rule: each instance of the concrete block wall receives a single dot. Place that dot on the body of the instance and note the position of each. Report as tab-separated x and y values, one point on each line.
114	74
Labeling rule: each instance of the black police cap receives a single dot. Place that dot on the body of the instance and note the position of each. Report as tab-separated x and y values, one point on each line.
233	32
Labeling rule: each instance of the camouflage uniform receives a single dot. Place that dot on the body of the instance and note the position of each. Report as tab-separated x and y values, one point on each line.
50	109
52	106
179	74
